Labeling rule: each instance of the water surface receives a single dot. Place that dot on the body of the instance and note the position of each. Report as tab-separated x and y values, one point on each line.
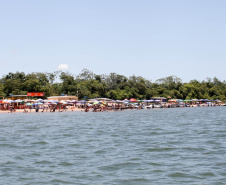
158	146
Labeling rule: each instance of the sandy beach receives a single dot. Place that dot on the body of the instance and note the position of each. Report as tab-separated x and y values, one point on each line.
40	111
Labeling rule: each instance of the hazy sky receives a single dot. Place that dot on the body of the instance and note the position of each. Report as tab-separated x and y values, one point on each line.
149	38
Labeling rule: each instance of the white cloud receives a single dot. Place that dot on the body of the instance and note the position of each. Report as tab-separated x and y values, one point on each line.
63	66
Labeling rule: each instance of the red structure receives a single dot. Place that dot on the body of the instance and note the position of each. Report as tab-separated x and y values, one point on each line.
36	94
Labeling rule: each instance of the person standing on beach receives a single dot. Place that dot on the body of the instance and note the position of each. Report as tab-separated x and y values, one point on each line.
37	109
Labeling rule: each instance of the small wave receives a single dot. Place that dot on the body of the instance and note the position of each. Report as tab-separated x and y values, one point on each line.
207	174
154	164
39	143
65	164
160	149
43	162
133	181
7	162
178	174
117	166
58	181
184	175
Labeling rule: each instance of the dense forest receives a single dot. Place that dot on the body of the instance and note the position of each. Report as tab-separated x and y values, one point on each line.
114	86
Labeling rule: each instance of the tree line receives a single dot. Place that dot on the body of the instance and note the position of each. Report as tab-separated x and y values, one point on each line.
113	86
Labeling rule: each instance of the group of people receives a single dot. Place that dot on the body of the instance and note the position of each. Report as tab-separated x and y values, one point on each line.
45	109
102	107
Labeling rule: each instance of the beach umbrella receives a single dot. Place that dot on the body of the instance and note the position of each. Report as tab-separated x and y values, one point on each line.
203	100
146	101
53	101
18	100
82	101
113	101
28	104
150	101
157	100
120	101
133	100
126	101
172	100
195	100
74	101
7	101
96	102
187	100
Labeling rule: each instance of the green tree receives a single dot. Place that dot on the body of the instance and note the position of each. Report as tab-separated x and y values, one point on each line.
69	84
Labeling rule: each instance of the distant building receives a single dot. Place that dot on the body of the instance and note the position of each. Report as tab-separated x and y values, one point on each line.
59	98
16	97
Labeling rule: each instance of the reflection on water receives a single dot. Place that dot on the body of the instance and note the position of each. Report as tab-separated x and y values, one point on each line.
158	146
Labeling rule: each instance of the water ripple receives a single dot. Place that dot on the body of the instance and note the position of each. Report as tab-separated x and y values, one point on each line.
158	146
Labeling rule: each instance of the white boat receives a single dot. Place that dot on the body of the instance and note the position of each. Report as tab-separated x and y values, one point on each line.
148	107
157	106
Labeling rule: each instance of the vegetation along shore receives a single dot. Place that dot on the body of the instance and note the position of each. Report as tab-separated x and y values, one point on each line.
113	86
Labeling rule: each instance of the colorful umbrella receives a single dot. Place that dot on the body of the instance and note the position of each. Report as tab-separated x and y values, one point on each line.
96	102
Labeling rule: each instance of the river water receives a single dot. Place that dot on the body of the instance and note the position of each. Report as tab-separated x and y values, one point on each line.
157	146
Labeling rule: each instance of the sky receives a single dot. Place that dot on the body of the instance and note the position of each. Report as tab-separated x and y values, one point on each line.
149	38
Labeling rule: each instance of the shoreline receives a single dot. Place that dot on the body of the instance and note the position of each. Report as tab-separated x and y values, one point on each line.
40	111
83	110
